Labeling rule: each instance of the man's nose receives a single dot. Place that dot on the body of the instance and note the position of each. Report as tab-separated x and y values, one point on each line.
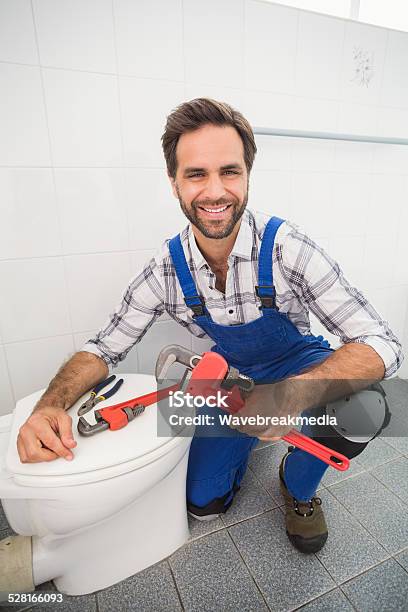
214	188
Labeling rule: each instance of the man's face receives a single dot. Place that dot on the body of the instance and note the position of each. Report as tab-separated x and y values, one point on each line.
212	181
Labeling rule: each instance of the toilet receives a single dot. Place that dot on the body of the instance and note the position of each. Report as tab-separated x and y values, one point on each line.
118	507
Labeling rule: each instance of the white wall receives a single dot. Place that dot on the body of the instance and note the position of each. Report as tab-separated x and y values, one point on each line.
85	88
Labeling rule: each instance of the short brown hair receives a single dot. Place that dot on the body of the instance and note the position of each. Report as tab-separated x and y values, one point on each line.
192	115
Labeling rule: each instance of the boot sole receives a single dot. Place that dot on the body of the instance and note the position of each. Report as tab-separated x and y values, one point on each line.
308	545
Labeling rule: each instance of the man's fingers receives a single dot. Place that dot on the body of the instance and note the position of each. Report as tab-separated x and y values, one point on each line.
52	442
21	450
32	450
65	429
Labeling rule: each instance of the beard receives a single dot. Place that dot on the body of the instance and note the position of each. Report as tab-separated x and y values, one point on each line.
214	228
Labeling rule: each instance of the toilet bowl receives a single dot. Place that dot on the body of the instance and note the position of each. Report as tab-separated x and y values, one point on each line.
118	507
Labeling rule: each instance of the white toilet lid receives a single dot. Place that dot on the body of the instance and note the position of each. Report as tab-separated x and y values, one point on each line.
137	443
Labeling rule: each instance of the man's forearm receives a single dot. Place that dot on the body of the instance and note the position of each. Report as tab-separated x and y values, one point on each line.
82	372
349	369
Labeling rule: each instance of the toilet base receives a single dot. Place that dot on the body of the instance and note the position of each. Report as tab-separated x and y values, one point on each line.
139	536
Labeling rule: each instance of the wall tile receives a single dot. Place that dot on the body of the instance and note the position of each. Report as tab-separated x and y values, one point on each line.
33	299
154	213
148	45
30	226
358	119
312	202
274	153
33	364
266	109
387	193
390	159
350	203
315	114
270	47
96	284
213	47
319	52
394	90
231	95
312	155
92	209
83	115
24	140
145	105
160	335
353	157
393	122
6	393
379	251
363	62
76	34
270	192
17	36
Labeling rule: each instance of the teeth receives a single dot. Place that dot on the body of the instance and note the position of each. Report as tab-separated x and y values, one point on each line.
215	210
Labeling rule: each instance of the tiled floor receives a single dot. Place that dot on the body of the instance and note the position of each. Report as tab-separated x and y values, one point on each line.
244	561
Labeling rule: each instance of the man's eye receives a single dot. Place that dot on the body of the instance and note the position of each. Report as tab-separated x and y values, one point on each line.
201	174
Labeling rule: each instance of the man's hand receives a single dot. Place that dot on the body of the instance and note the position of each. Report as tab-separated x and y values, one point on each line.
269	400
45	436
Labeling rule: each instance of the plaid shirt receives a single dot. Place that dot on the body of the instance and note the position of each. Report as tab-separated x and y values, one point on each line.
305	278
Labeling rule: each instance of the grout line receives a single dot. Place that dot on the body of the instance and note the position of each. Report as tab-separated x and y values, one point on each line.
175	582
338	100
258	588
357	519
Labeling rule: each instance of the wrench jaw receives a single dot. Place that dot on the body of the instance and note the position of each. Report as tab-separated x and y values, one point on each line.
86	429
173	353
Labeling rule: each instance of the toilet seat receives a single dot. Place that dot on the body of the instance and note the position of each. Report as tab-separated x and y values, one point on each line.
99	457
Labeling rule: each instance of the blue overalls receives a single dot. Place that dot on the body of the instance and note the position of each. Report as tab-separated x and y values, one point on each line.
268	349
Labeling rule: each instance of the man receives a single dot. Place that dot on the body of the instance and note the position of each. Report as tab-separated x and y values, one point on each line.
247	282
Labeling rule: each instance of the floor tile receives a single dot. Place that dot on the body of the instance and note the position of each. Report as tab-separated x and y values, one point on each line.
332	475
400	443
378	509
263	444
383	588
211	576
286	577
349	549
402	559
151	590
334	601
394	476
201	528
4	526
396	390
82	603
250	501
265	465
376	453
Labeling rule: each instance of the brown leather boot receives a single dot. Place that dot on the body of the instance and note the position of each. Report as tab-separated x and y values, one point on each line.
305	523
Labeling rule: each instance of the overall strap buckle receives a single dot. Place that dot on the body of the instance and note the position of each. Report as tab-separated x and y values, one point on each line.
198	309
268	300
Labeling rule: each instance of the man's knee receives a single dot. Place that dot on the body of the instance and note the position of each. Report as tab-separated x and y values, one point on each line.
360	419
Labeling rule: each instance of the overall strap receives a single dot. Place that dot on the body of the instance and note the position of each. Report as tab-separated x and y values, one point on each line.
188	287
265	290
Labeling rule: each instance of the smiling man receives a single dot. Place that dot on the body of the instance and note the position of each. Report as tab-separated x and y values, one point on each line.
247	281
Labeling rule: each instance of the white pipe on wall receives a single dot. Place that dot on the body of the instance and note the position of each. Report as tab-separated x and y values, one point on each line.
330	136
